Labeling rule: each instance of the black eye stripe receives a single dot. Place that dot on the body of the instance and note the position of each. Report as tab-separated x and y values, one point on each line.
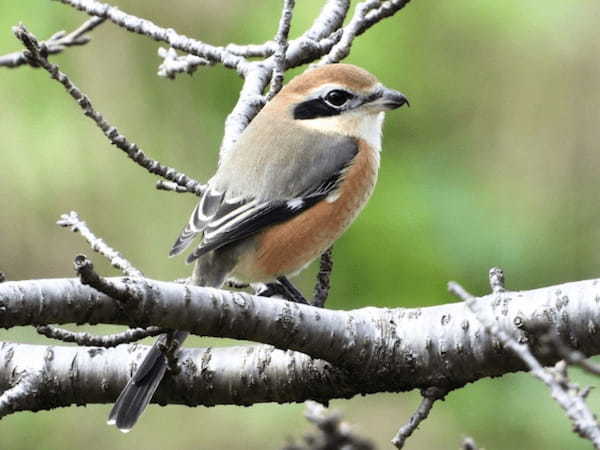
313	109
321	107
330	104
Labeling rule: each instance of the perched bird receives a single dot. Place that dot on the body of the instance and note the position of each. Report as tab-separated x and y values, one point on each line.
294	181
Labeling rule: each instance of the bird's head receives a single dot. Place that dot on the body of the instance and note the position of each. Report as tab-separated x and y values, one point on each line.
339	98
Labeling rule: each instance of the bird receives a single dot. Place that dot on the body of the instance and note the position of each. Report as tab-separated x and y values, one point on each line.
297	177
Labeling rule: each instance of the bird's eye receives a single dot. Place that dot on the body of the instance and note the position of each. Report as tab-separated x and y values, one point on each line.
337	97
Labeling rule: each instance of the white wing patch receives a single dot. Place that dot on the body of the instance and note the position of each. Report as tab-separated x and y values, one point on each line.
295	203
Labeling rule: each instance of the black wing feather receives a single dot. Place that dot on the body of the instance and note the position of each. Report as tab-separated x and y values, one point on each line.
270	213
225	221
202	214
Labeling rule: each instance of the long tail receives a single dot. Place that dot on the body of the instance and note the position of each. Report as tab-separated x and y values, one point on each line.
210	270
141	387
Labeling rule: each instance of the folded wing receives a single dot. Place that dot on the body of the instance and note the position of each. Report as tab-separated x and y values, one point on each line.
224	220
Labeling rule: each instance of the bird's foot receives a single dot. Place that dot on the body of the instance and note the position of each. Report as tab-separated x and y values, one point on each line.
282	288
291	292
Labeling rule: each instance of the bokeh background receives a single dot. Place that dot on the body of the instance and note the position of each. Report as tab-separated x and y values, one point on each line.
495	163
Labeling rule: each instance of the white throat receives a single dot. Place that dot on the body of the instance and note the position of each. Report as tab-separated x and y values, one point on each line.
367	127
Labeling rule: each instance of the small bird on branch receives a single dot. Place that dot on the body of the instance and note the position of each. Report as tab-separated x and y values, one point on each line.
295	180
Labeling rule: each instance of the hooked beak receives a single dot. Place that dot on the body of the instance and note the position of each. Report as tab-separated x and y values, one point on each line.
386	99
391	99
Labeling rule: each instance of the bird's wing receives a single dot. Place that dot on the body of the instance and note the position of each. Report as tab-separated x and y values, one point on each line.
207	208
224	220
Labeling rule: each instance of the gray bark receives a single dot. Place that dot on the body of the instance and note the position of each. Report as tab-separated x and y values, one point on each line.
331	354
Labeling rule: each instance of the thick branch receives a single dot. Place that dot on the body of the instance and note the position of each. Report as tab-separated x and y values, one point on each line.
224	375
382	349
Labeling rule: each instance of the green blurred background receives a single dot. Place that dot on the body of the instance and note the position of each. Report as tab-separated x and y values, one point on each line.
495	163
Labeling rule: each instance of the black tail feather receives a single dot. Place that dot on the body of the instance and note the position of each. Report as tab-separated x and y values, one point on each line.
141	387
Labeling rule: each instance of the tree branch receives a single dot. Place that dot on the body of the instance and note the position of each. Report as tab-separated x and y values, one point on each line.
173	63
210	376
76	224
430	396
372	349
570	356
112	340
36	54
323	284
332	432
148	28
342	48
316	42
570	398
20	394
281	38
56	44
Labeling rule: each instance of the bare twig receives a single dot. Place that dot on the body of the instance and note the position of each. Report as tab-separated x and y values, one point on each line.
387	9
253	50
568	396
76	224
342	48
250	102
496	276
55	44
459	291
173	63
163	185
36	54
87	275
313	44
430	395
333	433
570	355
112	340
323	283
579	359
367	14
168	35
281	38
330	18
